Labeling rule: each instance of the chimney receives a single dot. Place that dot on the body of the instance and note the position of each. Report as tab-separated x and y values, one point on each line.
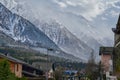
7	54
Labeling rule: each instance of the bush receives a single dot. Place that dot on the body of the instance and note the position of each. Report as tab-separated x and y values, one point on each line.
5	73
23	78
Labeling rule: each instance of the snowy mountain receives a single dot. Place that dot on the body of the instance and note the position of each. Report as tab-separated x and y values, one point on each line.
17	31
65	39
81	49
21	29
92	29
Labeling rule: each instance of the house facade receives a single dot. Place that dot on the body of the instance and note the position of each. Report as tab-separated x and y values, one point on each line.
116	54
16	68
20	68
106	54
106	59
15	65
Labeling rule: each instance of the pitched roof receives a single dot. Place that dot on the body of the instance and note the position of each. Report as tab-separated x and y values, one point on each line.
117	29
106	50
11	58
118	23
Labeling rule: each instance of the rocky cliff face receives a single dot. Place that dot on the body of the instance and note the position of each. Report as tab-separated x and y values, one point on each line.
21	29
60	35
66	40
16	31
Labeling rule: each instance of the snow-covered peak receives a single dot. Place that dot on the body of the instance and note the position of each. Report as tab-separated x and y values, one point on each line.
22	30
94	33
68	42
10	4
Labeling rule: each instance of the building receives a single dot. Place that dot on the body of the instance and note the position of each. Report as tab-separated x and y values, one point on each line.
20	68
106	58
15	65
70	75
116	54
30	71
106	54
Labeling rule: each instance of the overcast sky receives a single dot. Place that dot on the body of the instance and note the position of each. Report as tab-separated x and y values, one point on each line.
90	9
87	8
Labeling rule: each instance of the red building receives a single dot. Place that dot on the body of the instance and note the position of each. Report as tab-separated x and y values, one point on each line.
20	68
106	58
15	65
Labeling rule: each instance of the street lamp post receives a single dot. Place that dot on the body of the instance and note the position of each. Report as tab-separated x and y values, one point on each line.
47	61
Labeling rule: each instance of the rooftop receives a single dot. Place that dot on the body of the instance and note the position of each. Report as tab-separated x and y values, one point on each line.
106	50
10	58
117	29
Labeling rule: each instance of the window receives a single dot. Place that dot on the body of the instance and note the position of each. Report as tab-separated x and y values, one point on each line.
17	67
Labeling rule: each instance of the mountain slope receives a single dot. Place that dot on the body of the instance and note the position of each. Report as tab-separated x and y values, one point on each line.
83	30
21	29
66	40
92	36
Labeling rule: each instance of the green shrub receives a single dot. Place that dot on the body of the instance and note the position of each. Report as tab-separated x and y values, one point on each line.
5	73
118	79
23	78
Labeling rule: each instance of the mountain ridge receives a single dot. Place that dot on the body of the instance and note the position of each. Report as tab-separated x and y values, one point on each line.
24	31
15	26
67	49
67	41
